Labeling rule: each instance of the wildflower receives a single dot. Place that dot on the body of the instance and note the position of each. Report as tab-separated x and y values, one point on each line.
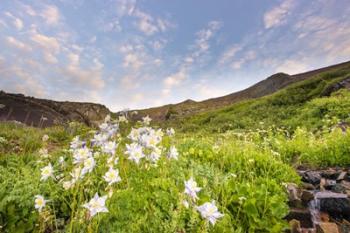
112	161
170	132
242	199
75	143
150	141
173	153
96	205
146	120
210	212
99	139
89	165
40	202
45	138
108	118
80	155
135	152
123	119
76	174
186	204
112	176
67	185
46	172
61	160
155	155
109	147
43	152
104	126
192	189
134	134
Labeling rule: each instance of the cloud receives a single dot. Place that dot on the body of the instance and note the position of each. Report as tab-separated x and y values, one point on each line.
132	60
248	56
50	14
17	22
88	77
229	54
175	79
49	46
277	15
18	44
292	67
129	82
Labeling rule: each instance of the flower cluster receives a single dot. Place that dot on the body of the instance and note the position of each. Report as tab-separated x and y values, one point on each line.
96	159
208	210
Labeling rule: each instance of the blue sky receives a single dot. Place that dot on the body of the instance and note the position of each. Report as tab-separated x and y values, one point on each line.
137	54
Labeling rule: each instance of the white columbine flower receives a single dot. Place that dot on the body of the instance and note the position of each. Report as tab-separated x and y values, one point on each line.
61	160
112	176
173	153
210	212
109	147
192	189
89	165
135	152
76	143
45	138
123	119
40	202
100	138
134	134
104	126
81	154
44	153
170	132
186	204
155	155
146	120
96	205
47	172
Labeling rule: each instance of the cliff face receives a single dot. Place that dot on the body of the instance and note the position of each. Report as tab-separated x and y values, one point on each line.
44	113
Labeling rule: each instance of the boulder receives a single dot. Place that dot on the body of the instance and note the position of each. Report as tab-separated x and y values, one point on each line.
327	228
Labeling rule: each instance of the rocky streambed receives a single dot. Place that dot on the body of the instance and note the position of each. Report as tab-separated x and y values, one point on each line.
322	203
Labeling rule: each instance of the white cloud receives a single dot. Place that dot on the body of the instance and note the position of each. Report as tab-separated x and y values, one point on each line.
129	82
292	67
277	15
51	15
248	56
229	54
18	23
175	79
132	60
89	77
50	44
17	44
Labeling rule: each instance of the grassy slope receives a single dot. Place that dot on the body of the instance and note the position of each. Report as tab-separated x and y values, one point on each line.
301	104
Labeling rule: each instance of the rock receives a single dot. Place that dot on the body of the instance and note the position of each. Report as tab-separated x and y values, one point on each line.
329	184
307	196
344	226
312	177
330	173
324	217
301	215
327	228
308	186
322	184
345	184
336	204
293	196
342	176
338	188
294	226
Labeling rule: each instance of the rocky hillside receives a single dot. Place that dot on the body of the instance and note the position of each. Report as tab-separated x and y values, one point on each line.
268	86
43	113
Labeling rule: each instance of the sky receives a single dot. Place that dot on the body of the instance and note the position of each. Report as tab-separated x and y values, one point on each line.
143	53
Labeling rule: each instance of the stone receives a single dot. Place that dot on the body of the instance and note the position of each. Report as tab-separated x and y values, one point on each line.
301	215
345	184
312	177
307	196
335	204
338	188
324	217
330	173
294	226
327	228
308	186
293	196
342	176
